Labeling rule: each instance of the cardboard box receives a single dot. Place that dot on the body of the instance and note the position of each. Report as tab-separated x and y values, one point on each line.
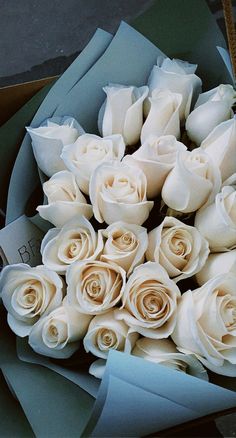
12	98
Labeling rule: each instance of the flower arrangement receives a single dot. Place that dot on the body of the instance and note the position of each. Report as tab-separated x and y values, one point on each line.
139	252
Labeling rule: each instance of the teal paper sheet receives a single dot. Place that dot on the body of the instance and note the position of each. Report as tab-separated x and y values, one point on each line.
226	58
20	242
150	391
16	424
81	378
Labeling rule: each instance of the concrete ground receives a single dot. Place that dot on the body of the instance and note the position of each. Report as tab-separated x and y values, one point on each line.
40	38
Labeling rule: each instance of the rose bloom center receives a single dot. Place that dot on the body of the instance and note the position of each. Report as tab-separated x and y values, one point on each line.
151	300
30	296
124	241
106	339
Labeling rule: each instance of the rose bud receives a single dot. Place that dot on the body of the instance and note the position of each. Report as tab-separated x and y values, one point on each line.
118	192
220	144
156	157
49	139
217	222
122	112
211	109
163	117
192	183
178	77
65	200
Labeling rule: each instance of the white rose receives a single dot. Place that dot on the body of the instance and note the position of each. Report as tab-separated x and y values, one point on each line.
28	293
206	324
124	244
212	108
178	247
97	368
217	263
220	144
178	77
76	241
94	286
88	151
150	301
105	333
156	157
122	112
163	351
65	200
163	117
217	221
118	192
193	182
58	334
49	139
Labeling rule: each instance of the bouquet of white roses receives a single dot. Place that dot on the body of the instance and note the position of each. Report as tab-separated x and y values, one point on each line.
139	247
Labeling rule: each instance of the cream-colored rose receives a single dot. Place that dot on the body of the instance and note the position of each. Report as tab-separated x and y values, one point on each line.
29	293
150	301
124	244
217	263
76	241
163	117
220	144
206	324
65	200
122	112
193	182
212	108
163	351
106	333
97	368
49	139
178	77
58	334
94	286
217	222
178	247
88	151
118	192
156	157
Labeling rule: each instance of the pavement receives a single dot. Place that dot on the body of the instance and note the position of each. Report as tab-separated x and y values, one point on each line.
41	38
